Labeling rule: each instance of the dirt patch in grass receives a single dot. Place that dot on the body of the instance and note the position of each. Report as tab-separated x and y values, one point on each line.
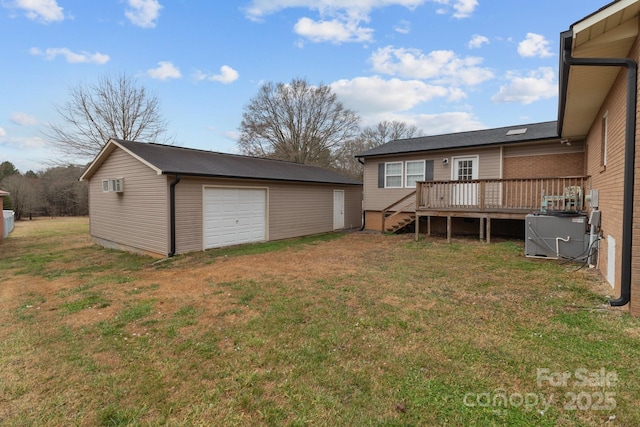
355	330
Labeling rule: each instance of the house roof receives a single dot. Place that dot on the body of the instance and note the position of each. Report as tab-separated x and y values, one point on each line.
607	33
3	193
173	160
478	138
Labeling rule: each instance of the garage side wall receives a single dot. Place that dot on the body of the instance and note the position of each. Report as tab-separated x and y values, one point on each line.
137	218
304	209
294	209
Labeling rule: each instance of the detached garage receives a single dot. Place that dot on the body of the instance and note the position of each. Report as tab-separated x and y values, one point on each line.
167	200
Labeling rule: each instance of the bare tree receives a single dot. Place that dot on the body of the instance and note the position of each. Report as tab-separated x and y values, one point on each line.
371	137
62	192
114	107
386	131
24	192
346	161
296	122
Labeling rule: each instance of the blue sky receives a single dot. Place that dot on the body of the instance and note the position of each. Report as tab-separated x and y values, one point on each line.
442	65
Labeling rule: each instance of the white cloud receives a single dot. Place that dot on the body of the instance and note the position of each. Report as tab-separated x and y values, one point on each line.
441	66
534	45
536	85
430	124
45	11
2	133
403	27
23	119
143	13
477	41
231	135
166	70
335	30
71	57
258	9
464	8
227	75
23	142
341	20
369	95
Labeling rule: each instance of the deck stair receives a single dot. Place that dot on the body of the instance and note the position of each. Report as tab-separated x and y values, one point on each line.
399	221
400	214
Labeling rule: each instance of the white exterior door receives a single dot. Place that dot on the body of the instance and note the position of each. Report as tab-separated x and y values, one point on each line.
465	169
338	209
233	216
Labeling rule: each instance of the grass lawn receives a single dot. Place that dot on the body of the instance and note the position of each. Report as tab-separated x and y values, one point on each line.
341	329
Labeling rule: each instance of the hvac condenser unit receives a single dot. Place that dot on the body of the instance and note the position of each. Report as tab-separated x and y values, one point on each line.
556	236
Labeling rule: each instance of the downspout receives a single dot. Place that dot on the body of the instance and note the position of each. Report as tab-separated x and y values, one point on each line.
629	160
172	213
364	214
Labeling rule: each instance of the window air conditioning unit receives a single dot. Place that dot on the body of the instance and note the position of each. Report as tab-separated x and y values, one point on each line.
115	185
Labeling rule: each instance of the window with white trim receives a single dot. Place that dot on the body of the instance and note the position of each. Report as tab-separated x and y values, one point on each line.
393	175
604	141
113	185
414	172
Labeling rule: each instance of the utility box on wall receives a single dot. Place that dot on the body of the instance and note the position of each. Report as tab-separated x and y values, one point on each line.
556	236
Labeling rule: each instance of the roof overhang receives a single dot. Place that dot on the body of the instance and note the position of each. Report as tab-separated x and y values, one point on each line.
106	151
608	33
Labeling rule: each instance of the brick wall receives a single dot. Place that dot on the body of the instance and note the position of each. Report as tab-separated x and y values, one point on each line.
609	180
566	164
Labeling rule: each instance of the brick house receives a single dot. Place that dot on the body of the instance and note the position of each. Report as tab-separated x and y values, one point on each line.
472	177
598	93
465	182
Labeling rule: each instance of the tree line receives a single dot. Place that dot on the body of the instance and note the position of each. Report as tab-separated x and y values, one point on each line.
294	121
53	192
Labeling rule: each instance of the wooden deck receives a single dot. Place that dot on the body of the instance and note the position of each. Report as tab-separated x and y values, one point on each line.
497	199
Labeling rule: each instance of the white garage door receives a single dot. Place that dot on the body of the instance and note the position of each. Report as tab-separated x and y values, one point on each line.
233	216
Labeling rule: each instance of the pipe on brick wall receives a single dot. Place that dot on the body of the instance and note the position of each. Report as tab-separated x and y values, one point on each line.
629	157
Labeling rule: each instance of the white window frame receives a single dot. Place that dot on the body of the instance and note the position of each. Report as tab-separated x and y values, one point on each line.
420	177
474	171
116	185
387	175
605	140
113	185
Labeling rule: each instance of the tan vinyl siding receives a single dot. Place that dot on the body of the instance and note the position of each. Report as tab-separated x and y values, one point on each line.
294	209
377	199
300	210
138	217
189	212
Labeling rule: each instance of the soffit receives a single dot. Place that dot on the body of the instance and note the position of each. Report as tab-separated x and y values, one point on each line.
609	33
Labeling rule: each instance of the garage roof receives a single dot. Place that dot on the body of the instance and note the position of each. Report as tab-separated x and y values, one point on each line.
505	135
173	160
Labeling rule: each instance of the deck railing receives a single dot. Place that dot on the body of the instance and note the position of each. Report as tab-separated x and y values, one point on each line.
495	195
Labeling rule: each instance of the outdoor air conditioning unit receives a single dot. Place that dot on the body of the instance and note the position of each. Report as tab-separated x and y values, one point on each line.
556	236
115	185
